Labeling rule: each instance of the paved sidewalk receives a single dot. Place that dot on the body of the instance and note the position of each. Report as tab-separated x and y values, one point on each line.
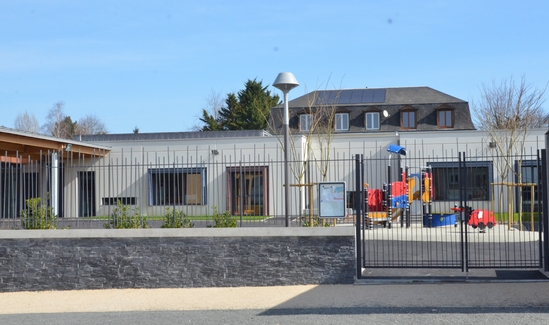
444	296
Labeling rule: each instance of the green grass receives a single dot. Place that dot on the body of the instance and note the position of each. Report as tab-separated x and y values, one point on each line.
192	218
504	216
245	218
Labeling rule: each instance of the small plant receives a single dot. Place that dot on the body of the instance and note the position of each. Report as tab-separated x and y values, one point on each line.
316	222
176	219
37	216
122	217
223	220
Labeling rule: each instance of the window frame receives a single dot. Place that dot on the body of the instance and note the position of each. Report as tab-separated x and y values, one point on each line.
345	126
181	197
448	113
377	118
305	119
450	182
529	169
87	192
403	119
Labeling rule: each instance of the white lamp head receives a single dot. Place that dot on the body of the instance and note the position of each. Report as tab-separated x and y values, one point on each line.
285	81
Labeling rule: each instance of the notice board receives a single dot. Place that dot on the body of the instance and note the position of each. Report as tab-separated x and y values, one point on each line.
332	200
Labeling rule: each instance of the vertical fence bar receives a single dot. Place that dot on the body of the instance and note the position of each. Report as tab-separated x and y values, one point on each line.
544	210
463	214
540	194
359	199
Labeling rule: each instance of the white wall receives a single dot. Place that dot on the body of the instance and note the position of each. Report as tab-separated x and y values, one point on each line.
124	171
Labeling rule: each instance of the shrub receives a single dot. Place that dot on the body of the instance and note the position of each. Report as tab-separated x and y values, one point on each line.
223	220
176	219
316	222
38	216
122	217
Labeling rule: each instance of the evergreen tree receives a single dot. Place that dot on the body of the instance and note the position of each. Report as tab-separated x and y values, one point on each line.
249	110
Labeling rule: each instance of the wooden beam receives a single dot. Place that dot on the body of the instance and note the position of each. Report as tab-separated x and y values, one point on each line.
88	151
37	147
30	141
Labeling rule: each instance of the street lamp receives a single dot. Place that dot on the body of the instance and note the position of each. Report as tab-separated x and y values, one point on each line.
285	81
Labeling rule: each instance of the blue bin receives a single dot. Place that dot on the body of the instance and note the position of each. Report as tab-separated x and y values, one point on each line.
440	220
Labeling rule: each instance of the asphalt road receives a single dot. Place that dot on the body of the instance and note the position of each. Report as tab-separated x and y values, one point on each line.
324	316
436	303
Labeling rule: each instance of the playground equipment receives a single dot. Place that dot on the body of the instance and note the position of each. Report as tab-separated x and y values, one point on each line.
479	218
394	199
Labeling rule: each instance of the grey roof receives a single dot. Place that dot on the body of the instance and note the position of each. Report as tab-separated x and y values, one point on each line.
173	135
393	96
424	100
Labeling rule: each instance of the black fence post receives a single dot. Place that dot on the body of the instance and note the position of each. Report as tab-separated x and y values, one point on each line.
465	210
359	199
543	209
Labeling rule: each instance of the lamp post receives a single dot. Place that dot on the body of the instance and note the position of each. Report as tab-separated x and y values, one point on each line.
285	81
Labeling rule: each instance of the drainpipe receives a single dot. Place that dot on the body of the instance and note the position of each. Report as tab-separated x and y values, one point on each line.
55	182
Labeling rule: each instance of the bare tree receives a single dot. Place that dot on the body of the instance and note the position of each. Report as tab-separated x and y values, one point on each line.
54	125
62	126
27	122
507	111
90	124
214	104
509	106
324	129
314	144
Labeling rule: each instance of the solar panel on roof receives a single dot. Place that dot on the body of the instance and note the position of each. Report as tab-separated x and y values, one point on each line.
355	96
367	96
322	97
345	96
379	96
332	97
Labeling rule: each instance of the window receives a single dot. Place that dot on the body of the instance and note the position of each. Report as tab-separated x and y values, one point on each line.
351	195
86	194
177	186
305	121
248	190
408	119
372	121
527	194
445	119
16	187
446	181
123	200
342	121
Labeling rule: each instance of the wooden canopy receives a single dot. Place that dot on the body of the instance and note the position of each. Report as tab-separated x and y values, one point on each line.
16	145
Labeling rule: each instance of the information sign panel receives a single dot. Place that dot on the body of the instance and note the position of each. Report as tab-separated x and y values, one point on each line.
332	200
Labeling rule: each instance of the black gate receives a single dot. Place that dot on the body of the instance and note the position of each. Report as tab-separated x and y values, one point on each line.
460	212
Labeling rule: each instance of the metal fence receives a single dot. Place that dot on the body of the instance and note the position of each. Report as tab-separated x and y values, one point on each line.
451	211
62	191
87	191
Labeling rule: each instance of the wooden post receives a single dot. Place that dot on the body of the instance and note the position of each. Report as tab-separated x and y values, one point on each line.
532	195
311	208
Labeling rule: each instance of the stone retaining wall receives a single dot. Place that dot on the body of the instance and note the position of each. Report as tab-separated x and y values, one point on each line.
172	258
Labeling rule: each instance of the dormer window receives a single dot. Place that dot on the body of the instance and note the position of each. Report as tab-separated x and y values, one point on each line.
342	122
408	118
371	120
445	118
305	122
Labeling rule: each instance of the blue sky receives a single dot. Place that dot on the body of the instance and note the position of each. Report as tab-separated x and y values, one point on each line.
153	64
